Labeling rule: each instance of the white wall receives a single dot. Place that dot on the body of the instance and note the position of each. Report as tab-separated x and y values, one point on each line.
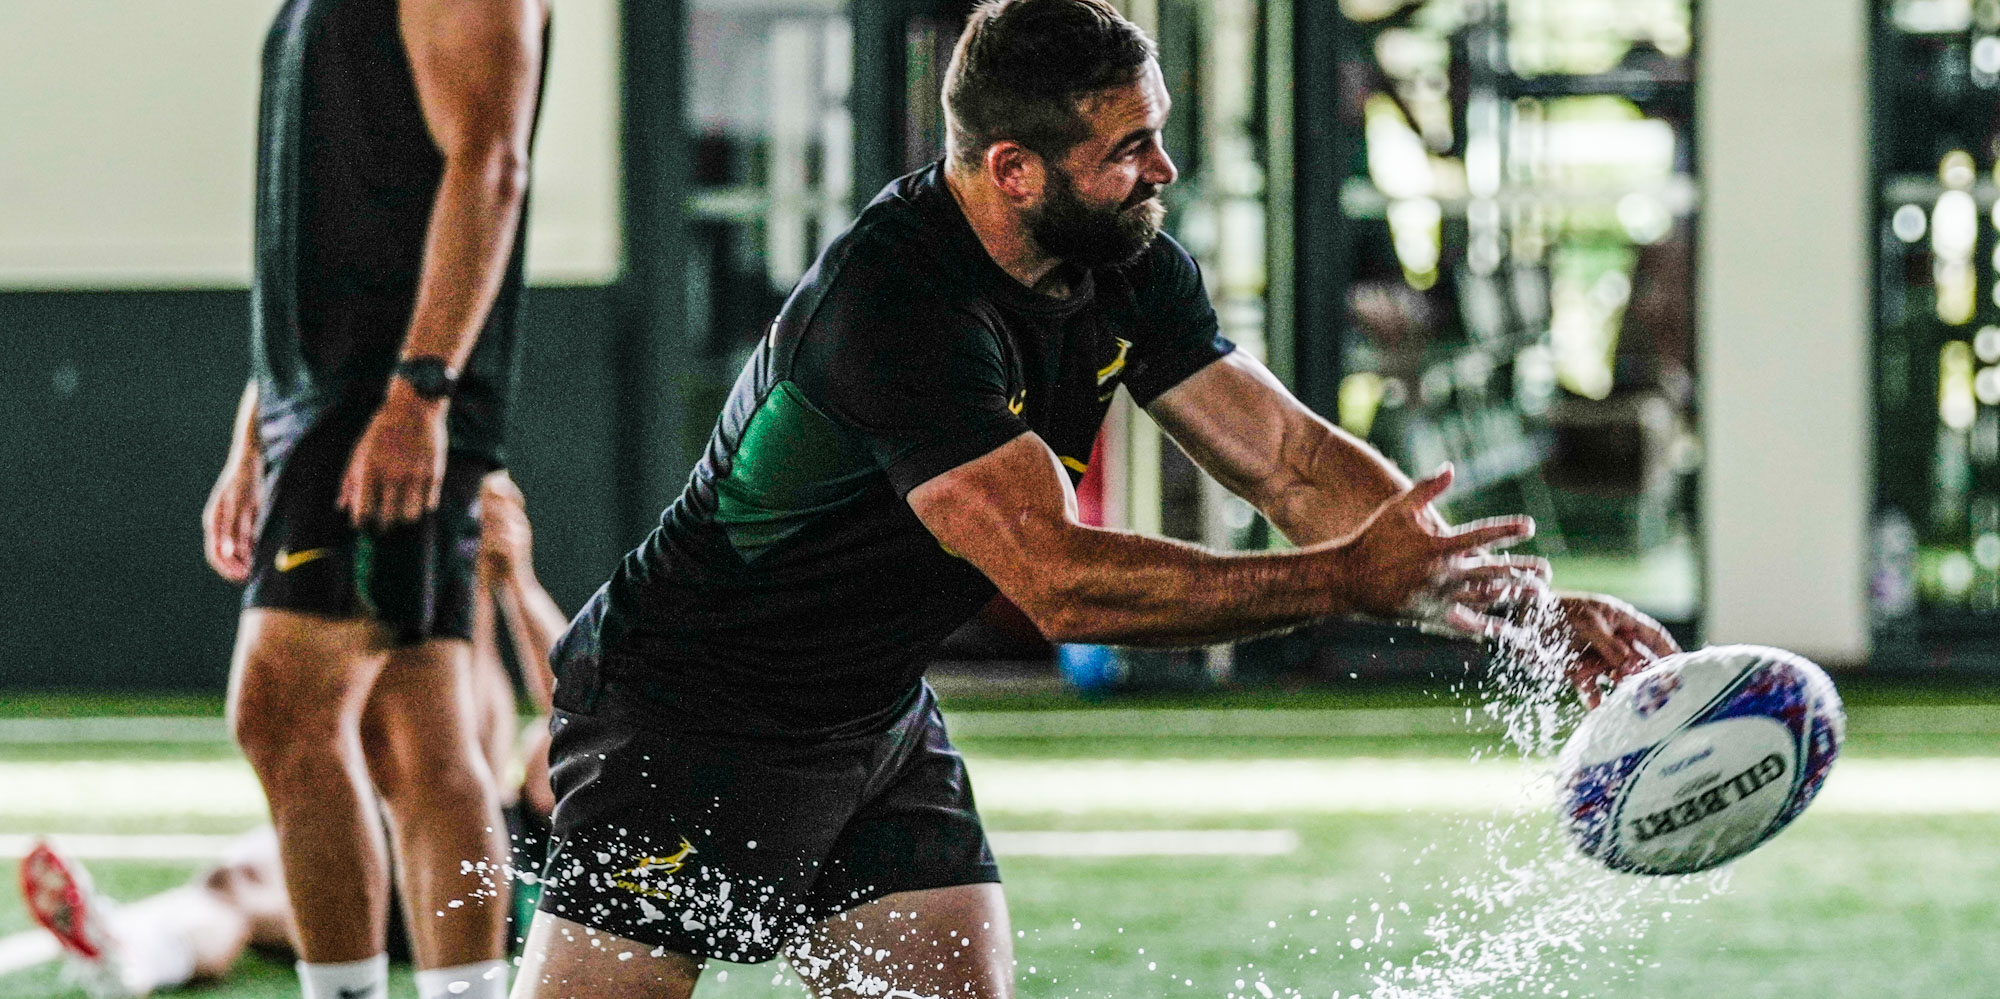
128	130
1784	323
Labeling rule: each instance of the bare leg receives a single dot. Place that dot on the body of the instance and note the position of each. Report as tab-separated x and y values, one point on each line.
953	943
250	883
215	930
195	931
225	909
492	690
296	694
428	760
566	960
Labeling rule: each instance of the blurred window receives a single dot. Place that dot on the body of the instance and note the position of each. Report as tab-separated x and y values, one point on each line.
768	84
1521	217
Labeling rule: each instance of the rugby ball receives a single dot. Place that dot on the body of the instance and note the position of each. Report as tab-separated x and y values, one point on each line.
1699	758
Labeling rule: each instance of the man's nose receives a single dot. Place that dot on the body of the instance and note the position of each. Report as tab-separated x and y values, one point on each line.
1160	170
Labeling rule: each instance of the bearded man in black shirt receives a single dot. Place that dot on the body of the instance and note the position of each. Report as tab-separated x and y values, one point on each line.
746	759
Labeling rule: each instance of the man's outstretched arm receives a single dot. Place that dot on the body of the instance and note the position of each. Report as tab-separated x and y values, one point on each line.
1316	482
1012	514
1312	480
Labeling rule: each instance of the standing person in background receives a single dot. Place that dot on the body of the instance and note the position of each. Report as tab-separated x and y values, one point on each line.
392	186
198	931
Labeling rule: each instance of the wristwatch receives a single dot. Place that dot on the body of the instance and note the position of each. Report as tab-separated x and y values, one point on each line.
429	377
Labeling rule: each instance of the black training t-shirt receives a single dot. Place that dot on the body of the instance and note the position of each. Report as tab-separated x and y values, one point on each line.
790	590
347	173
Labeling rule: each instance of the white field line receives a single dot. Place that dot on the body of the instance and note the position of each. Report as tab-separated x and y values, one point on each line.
81	795
63	731
1147	843
141	846
1225	723
1136	723
1007	843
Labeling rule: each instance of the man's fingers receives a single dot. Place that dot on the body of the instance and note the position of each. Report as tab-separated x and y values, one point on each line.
349	498
1485	566
398	497
372	495
1590	685
246	529
213	541
1426	492
1648	633
1498	532
240	542
1470	622
1483	594
414	498
1600	637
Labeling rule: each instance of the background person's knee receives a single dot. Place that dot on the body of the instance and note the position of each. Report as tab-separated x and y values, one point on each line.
431	767
281	731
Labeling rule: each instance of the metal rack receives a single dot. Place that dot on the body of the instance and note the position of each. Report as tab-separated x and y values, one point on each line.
1935	573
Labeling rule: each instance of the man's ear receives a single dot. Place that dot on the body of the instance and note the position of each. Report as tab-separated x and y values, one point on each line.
1016	170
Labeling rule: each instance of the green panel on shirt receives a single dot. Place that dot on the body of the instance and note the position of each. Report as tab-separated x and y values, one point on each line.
792	465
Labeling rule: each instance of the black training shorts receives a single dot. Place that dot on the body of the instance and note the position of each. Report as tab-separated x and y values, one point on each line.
417	579
732	848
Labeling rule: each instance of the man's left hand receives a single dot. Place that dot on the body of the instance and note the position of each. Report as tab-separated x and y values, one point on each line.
397	472
506	541
1613	640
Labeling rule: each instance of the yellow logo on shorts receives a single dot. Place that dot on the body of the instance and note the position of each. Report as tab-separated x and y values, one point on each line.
644	877
287	561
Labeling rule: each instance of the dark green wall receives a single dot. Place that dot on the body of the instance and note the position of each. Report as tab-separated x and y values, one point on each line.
116	409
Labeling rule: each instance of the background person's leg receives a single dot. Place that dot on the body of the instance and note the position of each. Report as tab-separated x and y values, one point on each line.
428	763
952	943
296	695
566	960
250	884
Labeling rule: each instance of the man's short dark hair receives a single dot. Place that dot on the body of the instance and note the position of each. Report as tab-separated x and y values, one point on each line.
1022	67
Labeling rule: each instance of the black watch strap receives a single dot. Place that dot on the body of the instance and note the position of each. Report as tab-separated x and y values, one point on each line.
429	377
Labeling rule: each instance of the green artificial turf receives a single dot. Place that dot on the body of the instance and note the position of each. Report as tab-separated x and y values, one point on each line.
1844	905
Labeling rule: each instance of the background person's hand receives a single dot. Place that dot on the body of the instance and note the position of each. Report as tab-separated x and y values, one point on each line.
1612	640
1405	563
506	541
229	518
396	474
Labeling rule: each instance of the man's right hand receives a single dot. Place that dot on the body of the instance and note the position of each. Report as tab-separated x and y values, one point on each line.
1403	563
229	520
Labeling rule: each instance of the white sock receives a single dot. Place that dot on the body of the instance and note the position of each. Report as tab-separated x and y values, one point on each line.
367	978
482	980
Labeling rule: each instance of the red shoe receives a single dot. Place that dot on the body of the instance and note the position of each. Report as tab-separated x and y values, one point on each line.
60	897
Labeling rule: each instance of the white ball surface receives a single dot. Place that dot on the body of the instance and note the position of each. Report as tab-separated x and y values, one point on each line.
1700	758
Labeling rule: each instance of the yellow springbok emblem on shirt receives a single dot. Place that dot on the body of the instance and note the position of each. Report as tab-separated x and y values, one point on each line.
1110	371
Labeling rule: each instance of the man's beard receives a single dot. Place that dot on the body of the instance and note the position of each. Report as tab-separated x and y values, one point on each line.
1087	237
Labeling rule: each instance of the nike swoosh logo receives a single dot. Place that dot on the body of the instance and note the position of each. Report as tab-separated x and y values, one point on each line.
360	993
287	561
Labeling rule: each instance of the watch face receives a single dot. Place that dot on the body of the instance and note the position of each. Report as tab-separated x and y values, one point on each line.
428	376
